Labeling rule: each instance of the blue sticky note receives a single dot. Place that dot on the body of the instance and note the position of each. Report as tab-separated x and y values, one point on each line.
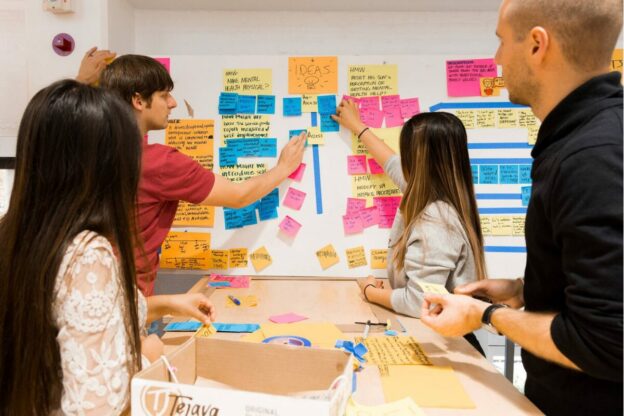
508	174
526	195
267	212
246	104
271	198
326	104
268	148
328	125
233	218
266	104
227	157
187	326
238	328
488	174
245	147
248	215
219	284
293	133
228	101
475	173
292	106
525	174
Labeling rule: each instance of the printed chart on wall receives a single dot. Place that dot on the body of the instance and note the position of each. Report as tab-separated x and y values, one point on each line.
333	215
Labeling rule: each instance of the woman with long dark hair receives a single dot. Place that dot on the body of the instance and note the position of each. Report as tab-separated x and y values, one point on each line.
71	319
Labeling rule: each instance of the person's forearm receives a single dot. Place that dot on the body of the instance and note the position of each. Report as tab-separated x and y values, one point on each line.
532	332
379	296
380	151
157	307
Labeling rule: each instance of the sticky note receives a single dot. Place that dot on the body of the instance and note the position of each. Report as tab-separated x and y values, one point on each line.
526	118
312	75
287	318
372	117
235	282
369	216
526	195
326	104
356	164
248	80
467	117
462	76
295	133
387	207
508	174
308	103
246	104
185	250
260	259
315	136
487	87
486	119
507	118
355	205
375	168
409	107
219	284
186	326
488	174
236	328
475	173
394	351
432	287
164	61
232	218
616	60
517	225
391	107
297	175
290	226
352	224
367	103
238	257
227	156
228	101
367	80
524	175
356	257
291	106
405	406
266	104
350	98
219	259
328	125
327	256
294	198
379	259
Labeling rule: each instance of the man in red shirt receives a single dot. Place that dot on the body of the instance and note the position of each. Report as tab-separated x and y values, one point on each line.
168	176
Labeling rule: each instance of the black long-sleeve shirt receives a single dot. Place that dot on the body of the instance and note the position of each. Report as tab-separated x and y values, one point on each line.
574	251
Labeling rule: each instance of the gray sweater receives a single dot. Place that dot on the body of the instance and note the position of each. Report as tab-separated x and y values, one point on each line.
438	251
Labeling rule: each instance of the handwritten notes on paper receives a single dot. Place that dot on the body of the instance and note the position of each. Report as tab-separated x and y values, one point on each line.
248	81
463	76
432	288
242	171
356	257
368	80
379	258
503	225
238	257
185	250
312	75
261	259
384	351
194	138
327	256
244	125
294	198
290	226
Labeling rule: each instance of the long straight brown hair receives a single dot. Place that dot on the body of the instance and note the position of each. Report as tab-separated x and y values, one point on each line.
77	168
436	167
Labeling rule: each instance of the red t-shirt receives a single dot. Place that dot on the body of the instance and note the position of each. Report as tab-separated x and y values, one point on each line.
167	177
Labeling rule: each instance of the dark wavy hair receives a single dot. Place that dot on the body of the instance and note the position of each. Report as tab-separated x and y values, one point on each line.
77	168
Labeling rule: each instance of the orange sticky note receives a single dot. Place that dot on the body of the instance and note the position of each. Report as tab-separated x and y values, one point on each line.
379	258
261	259
356	257
327	256
312	75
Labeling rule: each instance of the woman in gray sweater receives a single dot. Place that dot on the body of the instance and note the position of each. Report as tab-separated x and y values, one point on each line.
436	236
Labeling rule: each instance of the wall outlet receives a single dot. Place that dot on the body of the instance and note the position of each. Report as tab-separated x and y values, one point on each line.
58	6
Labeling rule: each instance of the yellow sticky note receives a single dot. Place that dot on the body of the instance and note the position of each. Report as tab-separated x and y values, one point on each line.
191	215
432	288
526	118
379	258
403	407
486	225
205	331
243	171
239	126
488	89
219	259
182	250
368	186
248	301
507	118
486	119
532	132
238	257
389	136
502	225
467	117
517	224
616	60
356	257
369	80
309	103
428	386
312	75
261	259
384	350
248	81
327	256
315	136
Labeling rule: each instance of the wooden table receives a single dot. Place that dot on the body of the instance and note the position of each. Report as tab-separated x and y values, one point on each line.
340	302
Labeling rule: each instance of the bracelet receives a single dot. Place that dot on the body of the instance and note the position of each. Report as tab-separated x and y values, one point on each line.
362	132
364	291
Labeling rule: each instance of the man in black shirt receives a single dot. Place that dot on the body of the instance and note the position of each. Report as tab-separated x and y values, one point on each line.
555	56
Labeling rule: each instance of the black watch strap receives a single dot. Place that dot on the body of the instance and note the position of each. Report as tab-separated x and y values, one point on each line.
487	313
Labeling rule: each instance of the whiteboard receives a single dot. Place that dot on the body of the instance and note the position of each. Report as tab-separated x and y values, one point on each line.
199	81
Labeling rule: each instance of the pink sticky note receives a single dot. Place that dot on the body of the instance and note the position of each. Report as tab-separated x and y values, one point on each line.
290	226
462	77
355	205
352	224
387	206
298	173
375	168
294	198
369	103
410	107
372	117
391	107
356	164
369	216
166	62
348	97
236	282
287	318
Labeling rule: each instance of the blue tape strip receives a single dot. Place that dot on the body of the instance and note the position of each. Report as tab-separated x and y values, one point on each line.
504	249
317	178
510	145
313	119
499	196
519	210
498	104
495	161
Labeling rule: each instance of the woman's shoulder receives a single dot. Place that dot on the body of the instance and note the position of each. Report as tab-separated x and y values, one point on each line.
441	215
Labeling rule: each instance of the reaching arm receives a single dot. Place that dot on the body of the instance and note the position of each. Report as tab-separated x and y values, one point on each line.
192	305
92	65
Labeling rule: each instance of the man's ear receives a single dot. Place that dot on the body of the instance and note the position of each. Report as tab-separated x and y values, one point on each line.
539	43
138	103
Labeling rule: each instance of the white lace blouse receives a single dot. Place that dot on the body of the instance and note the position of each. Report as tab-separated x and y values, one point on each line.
88	310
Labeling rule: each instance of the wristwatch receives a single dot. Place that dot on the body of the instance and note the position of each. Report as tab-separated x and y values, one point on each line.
486	318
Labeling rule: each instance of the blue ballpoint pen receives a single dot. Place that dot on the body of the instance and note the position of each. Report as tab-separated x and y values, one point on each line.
233	299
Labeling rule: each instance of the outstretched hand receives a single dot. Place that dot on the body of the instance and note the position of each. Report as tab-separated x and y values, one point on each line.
92	65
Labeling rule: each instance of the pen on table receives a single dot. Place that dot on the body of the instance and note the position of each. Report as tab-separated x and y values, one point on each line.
233	299
366	330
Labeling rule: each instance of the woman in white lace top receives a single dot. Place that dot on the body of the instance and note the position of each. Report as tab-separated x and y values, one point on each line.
71	318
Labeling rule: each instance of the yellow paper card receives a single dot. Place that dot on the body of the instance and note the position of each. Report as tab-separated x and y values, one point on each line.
249	301
526	118
403	407
315	136
384	350
322	335
507	118
309	103
379	259
467	117
261	259
205	331
532	134
243	171
616	60
368	186
182	250
502	225
369	80
327	256
312	75
389	136
486	119
432	288
356	257
238	257
248	81
428	386
219	259
488	89
241	126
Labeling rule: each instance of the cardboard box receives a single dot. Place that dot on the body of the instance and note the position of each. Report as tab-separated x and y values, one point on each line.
223	377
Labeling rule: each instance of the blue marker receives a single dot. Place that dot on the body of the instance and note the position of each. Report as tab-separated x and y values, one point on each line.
233	299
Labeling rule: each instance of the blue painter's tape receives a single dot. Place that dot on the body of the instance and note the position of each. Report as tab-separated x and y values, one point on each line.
498	161
317	178
504	249
313	119
187	326
514	145
518	210
499	196
498	104
238	328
